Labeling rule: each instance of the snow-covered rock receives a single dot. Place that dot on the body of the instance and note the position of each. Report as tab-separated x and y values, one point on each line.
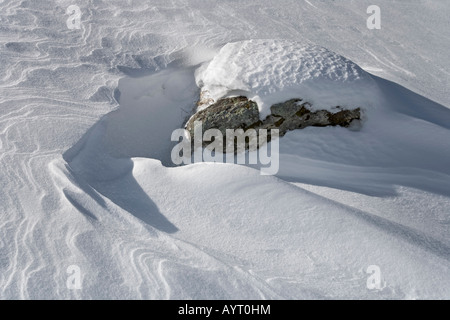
273	71
341	202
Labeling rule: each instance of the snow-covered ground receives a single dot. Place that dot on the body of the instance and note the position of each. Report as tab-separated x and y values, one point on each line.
86	178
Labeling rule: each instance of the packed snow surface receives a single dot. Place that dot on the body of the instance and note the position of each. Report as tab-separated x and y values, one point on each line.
272	71
87	183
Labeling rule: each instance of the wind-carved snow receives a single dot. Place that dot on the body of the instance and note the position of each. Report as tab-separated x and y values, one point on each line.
273	71
138	229
240	234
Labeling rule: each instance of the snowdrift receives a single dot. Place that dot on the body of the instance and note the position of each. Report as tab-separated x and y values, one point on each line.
86	178
273	71
283	238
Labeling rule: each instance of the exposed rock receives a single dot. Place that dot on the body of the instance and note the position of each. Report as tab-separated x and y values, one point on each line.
228	113
242	113
293	114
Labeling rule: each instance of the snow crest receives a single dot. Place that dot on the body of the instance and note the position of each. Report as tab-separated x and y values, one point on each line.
270	71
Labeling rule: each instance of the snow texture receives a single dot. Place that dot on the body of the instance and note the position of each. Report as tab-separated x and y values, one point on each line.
273	71
86	177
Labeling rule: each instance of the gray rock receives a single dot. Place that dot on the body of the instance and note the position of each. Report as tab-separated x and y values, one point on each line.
241	113
293	114
228	113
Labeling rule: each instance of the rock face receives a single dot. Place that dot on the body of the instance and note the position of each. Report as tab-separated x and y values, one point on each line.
241	113
293	114
228	113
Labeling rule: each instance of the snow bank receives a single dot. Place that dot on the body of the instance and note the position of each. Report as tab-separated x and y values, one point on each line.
272	71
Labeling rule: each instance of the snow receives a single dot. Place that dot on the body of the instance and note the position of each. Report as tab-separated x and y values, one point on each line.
86	177
273	71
